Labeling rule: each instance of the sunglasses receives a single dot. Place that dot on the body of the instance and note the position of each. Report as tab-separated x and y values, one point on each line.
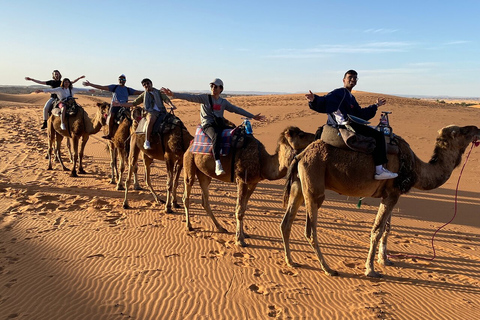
214	86
122	79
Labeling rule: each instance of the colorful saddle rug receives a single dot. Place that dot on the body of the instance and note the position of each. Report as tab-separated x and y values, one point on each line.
203	145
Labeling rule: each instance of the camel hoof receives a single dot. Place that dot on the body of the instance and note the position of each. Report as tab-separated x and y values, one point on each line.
222	230
112	182
81	171
176	205
138	188
168	210
241	243
49	168
373	274
65	169
74	174
331	273
386	262
293	265
120	187
246	235
126	206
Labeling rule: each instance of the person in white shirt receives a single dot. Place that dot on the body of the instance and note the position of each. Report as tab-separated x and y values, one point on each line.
63	92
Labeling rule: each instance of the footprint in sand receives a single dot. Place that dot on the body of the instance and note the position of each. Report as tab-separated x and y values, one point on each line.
259	289
242	259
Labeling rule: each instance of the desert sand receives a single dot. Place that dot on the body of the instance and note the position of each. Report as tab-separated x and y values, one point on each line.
68	250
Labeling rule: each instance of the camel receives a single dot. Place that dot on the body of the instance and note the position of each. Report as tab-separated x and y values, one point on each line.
252	165
79	126
169	146
321	166
119	146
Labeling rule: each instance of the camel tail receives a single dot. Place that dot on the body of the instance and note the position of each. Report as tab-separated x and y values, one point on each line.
291	173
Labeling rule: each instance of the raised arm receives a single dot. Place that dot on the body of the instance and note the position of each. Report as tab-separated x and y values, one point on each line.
81	77
36	81
87	83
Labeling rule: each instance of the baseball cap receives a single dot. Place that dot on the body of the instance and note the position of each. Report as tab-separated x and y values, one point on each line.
217	82
122	76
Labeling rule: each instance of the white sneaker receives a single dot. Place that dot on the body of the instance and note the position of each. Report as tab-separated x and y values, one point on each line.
62	126
385	175
146	145
218	169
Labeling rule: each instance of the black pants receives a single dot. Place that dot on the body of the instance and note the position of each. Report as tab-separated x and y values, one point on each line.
215	134
380	151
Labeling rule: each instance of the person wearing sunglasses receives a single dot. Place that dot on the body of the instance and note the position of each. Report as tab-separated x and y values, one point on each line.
340	103
154	103
54	83
120	93
212	107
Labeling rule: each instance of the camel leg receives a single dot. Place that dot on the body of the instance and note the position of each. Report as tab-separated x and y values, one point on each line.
379	231
136	184
176	177
132	165
170	165
250	189
51	141
73	173
69	148
382	257
242	191
204	182
58	144
113	161
312	203
188	180
121	168
80	154
294	202
147	161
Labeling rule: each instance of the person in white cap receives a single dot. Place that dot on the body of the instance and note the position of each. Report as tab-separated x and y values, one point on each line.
120	93
212	107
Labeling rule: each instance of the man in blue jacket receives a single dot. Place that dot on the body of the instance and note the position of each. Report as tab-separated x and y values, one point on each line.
340	103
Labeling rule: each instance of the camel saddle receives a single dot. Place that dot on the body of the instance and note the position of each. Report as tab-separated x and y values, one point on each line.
235	138
349	140
70	105
163	124
122	114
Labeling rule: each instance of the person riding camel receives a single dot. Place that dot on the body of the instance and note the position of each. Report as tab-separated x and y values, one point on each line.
153	101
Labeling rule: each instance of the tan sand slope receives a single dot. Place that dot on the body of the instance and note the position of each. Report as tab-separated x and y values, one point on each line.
68	250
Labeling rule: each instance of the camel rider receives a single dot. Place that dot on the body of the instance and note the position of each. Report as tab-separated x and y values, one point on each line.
211	115
340	103
153	102
120	93
66	90
55	83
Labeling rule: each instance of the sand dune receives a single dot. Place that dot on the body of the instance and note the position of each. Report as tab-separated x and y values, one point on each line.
68	250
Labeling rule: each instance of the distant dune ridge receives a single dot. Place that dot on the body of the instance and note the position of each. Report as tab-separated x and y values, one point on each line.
68	250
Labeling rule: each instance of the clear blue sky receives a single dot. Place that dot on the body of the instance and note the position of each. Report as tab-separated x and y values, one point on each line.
398	47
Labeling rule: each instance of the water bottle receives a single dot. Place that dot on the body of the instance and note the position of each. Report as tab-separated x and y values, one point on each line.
248	126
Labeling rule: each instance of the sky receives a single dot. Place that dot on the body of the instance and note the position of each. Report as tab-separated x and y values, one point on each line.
423	47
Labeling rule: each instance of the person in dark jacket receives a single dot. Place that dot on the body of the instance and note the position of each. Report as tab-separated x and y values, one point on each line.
340	103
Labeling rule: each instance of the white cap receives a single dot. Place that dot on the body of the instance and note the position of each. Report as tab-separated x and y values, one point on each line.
217	82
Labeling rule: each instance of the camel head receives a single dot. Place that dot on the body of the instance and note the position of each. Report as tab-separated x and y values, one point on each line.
103	107
137	114
296	138
455	139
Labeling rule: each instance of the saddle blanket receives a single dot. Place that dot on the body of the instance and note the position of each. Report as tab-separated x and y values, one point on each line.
202	144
